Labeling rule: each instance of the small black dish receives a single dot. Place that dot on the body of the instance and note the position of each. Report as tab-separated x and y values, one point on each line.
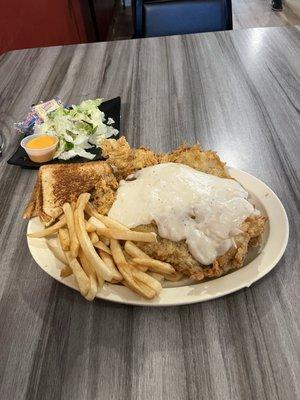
111	109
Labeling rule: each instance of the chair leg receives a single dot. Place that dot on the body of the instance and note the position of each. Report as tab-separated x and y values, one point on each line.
277	5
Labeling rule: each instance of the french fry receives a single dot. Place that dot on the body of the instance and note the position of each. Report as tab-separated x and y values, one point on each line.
91	273
117	252
139	287
135	251
121	234
104	239
64	238
160	278
174	277
129	261
50	230
155	265
102	270
87	267
126	271
146	291
142	286
89	227
94	237
110	223
55	246
77	203
118	282
142	268
147	280
81	277
65	271
93	289
74	243
101	246
110	262
95	221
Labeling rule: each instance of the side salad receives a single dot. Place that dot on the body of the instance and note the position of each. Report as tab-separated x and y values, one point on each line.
78	128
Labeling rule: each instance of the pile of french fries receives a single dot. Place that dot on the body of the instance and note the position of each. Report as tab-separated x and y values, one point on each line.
95	248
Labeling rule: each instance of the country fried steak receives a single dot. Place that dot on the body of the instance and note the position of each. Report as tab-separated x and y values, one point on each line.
126	161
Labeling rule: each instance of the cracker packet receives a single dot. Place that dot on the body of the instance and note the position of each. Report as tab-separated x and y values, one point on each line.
37	114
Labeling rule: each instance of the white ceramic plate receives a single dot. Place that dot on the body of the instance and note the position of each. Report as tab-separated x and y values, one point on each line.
257	265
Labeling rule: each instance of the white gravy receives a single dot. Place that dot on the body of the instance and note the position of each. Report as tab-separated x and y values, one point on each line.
186	204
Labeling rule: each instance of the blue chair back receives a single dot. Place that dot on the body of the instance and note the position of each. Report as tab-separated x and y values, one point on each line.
174	17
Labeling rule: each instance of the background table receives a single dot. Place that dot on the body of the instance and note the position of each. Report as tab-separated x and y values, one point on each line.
237	93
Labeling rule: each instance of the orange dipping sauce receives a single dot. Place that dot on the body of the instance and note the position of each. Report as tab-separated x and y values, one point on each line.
40	148
41	142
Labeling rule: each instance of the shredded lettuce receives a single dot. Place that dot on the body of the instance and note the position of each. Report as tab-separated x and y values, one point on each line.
78	129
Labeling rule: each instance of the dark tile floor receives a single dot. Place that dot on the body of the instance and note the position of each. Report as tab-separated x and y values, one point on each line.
122	27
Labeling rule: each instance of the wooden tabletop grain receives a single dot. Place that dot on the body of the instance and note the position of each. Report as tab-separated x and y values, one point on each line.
235	92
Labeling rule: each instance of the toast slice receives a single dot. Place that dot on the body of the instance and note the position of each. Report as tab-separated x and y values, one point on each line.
60	183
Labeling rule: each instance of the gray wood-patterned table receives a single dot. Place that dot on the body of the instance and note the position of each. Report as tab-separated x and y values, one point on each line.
237	93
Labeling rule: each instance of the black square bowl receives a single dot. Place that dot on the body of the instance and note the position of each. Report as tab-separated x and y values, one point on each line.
111	109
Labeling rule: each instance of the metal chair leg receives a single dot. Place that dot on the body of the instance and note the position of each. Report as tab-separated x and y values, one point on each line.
277	5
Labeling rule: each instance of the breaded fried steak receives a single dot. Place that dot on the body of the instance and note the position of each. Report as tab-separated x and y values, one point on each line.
125	161
177	253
